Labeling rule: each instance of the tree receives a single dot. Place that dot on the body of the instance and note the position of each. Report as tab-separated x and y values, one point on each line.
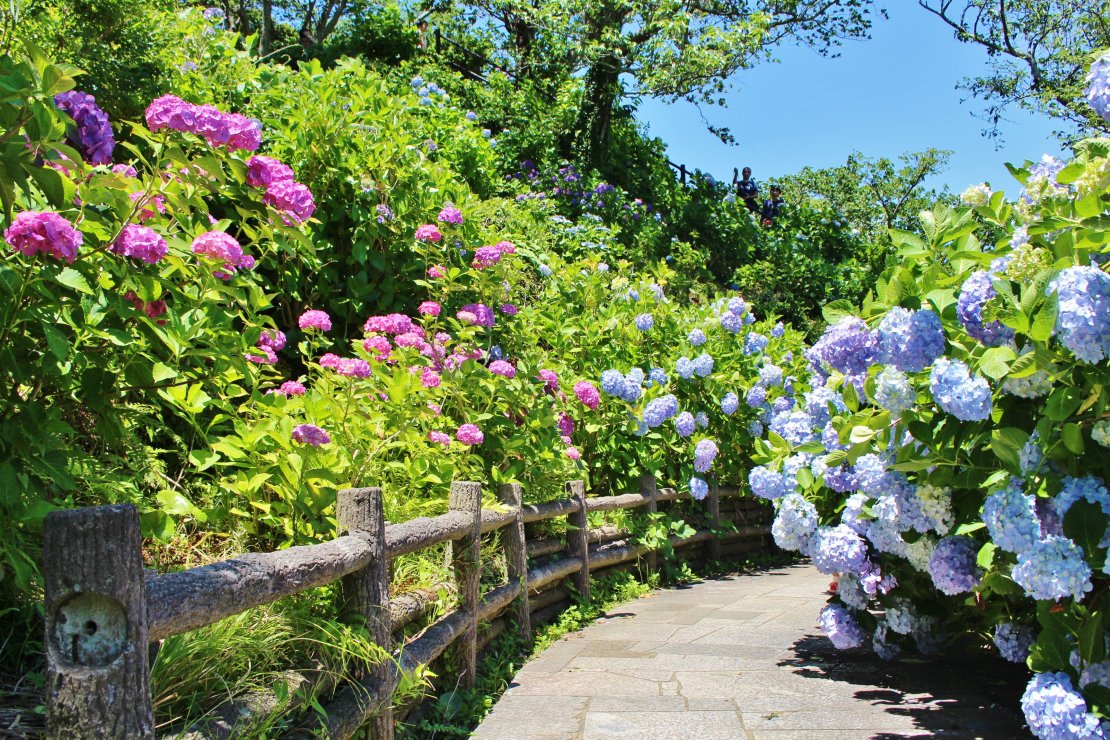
672	49
1038	51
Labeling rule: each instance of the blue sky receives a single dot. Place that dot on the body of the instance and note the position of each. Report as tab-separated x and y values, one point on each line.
893	93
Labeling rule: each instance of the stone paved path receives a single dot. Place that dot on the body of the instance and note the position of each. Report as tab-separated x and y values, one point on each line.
740	657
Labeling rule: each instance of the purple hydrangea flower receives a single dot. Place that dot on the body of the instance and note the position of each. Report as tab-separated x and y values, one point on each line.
848	346
684	367
840	627
795	523
1098	87
703	365
1013	641
698	488
838	549
1011	519
645	321
955	391
770	375
976	291
732	323
310	434
755	343
658	410
953	567
1054	710
1083	321
756	396
911	340
93	135
766	483
684	424
1053	568
696	337
704	453
729	403
796	427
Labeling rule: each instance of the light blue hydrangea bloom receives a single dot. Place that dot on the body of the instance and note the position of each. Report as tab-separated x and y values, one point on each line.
1088	488
613	383
1011	519
781	404
732	323
1098	87
795	523
848	346
684	424
1083	321
840	627
698	488
911	340
871	473
953	567
881	644
696	337
1054	710
658	410
703	365
770	375
796	427
766	483
893	391
1053	568
975	293
755	343
1031	457
755	428
955	391
658	376
705	452
701	419
736	305
838	549
684	367
778	330
645	321
817	404
729	403
756	396
1013	641
545	271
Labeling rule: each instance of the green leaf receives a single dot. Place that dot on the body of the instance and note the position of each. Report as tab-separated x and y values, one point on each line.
162	372
1051	651
969	527
1044	322
1085	524
835	311
175	504
58	190
861	434
74	280
1007	442
1092	639
57	341
1072	437
1062	403
995	362
986	555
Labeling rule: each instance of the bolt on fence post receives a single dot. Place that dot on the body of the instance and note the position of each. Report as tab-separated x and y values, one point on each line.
577	539
649	490
97	674
516	555
361	514
466	562
713	511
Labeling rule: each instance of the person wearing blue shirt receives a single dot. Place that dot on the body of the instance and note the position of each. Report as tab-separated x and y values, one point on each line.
772	207
746	189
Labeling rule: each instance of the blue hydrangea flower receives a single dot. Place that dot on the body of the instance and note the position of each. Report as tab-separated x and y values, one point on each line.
953	567
911	340
698	488
1031	456
1089	488
817	404
704	453
840	627
766	483
656	291
795	523
755	343
1013	641
848	346
883	647
955	391
645	321
696	337
778	330
841	479
755	428
1054	710
684	424
796	427
701	419
658	376
770	375
496	353
976	291
1098	87
871	473
781	404
471	115
789	380
703	365
756	396
684	367
613	383
732	323
838	549
658	410
1011	519
545	271
830	437
736	305
893	391
1053	568
729	403
1083	322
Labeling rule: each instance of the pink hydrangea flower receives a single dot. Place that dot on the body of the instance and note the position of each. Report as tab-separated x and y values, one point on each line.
486	257
125	169
263	170
292	199
353	367
330	360
505	247
508	309
394	323
566	424
272	338
450	215
156	200
378	346
439	438
310	434
219	247
587	393
476	313
218	128
470	434
410	339
428	233
314	320
140	242
502	368
566	440
572	453
429	308
47	232
550	380
429	378
435	407
243	132
153	309
436	272
267	356
288	388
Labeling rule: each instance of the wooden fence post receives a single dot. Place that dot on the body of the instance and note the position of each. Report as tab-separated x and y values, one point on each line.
516	555
649	489
360	513
577	539
466	561
97	675
713	511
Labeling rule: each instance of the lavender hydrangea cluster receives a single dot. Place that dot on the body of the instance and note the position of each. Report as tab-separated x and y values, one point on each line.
796	427
658	376
770	375
1083	321
658	410
92	134
755	343
684	367
955	391
1089	488
1011	519
684	424
795	523
645	321
953	567
705	452
838	549
975	293
729	403
767	483
696	337
911	340
703	365
841	627
818	400
699	489
756	396
847	346
1098	87
1053	568
1013	641
894	392
1054	710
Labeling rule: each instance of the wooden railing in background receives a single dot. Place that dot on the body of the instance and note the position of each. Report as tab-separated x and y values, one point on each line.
104	613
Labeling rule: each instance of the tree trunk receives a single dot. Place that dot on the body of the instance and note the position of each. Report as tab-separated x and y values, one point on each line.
596	112
267	25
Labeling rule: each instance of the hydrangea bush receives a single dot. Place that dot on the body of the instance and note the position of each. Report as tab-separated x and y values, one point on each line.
943	455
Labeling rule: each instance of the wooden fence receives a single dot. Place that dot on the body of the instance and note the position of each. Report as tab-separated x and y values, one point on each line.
105	614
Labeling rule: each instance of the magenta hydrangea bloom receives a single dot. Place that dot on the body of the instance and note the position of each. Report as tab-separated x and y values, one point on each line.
140	242
221	247
292	199
508	309
274	339
378	346
232	130
243	132
439	438
393	323
125	169
502	368
428	233
486	257
310	434
429	308
267	356
572	453
481	313
313	319
470	434
429	378
436	272
353	367
47	232
92	134
550	380
292	388
263	170
587	394
450	215
505	247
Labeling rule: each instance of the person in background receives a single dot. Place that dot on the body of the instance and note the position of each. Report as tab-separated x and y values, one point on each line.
746	189
772	207
422	41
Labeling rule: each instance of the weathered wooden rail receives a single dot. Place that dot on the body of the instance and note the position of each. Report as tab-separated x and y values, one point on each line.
103	611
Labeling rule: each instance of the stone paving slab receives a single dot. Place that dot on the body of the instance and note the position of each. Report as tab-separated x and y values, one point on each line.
741	657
